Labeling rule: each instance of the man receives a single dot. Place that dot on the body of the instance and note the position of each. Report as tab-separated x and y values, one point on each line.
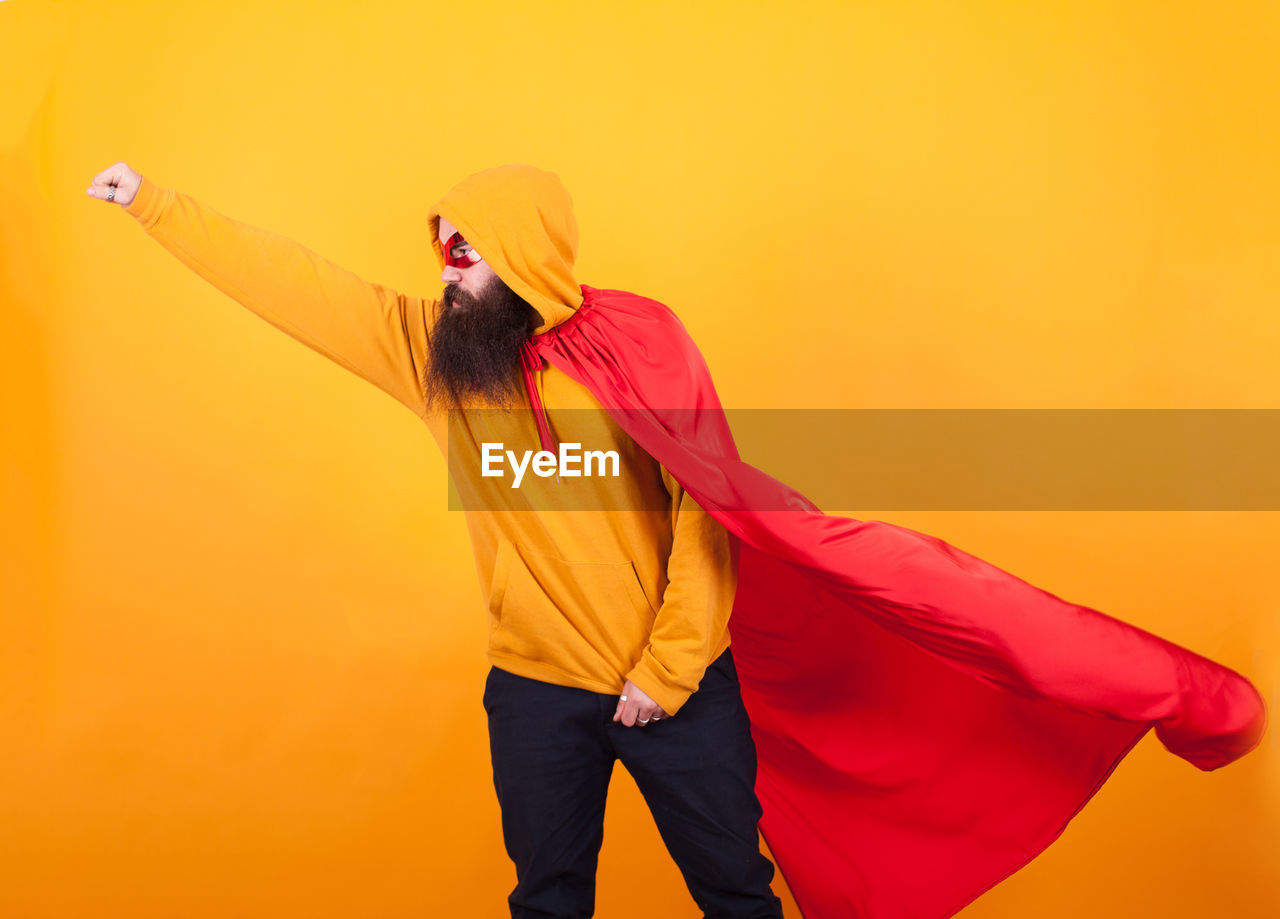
925	722
608	629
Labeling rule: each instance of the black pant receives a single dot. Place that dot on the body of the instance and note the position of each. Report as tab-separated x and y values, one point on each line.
553	750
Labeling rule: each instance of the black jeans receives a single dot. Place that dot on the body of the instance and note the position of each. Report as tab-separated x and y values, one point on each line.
553	751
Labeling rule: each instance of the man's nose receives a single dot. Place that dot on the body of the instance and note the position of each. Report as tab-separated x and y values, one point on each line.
450	274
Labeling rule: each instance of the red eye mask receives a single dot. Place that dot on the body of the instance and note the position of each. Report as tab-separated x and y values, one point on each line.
458	252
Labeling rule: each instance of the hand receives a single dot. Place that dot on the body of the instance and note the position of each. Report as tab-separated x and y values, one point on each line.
635	707
120	177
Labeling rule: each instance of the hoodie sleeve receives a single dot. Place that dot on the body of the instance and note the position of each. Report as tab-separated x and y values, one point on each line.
372	331
691	628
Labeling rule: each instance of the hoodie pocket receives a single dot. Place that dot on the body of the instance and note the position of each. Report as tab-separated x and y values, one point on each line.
569	614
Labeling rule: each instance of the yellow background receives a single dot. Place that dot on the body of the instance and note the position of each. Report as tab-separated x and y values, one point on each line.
242	647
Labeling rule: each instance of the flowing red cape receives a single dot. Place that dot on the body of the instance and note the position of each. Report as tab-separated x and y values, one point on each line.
925	722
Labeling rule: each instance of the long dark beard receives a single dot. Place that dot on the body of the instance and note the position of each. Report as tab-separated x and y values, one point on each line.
475	346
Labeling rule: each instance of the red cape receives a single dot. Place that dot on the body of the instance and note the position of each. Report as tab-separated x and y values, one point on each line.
926	723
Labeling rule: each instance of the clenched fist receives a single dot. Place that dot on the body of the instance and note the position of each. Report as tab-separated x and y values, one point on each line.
116	183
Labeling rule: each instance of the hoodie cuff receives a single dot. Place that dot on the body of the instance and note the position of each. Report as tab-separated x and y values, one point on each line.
657	683
149	204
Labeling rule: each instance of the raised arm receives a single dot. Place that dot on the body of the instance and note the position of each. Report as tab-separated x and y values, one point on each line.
371	330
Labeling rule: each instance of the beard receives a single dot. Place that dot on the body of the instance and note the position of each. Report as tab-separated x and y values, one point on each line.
475	345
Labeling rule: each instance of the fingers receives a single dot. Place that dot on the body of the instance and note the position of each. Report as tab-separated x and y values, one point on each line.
626	710
632	713
117	183
103	182
104	192
112	175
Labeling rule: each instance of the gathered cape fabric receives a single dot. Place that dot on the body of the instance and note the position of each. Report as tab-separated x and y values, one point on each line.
925	722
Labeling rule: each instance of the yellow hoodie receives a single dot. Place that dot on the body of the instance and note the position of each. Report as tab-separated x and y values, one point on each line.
586	598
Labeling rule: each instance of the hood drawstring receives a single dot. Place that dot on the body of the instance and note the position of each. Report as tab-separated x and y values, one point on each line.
531	361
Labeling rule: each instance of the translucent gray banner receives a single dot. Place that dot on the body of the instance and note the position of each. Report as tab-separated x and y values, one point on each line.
892	459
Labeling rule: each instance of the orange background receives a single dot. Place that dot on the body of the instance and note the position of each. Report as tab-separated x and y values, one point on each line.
242	647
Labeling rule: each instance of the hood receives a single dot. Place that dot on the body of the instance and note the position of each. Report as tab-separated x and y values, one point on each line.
520	219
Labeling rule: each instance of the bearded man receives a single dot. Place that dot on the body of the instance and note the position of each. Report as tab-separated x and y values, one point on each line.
922	723
608	632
